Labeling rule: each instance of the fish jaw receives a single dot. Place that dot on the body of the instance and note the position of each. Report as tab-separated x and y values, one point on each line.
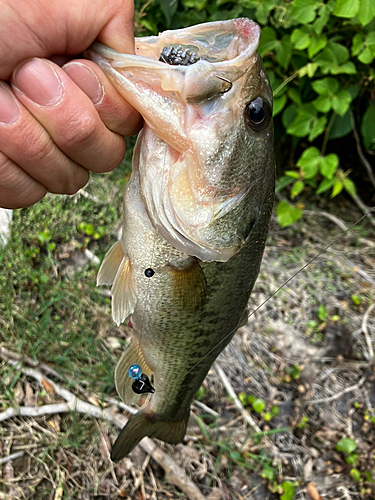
200	192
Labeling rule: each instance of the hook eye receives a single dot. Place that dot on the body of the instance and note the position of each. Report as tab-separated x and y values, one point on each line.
227	81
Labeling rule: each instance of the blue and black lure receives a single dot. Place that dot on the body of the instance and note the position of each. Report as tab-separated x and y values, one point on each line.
141	384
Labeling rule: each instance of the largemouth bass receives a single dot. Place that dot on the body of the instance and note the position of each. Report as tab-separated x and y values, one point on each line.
196	210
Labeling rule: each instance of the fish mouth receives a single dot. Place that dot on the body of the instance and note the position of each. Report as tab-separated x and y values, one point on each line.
223	50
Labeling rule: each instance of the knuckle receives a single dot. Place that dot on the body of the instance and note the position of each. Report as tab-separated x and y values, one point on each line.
79	130
37	146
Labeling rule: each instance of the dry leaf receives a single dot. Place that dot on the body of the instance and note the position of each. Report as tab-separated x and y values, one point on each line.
48	387
94	400
58	493
104	447
313	492
55	422
18	393
30	399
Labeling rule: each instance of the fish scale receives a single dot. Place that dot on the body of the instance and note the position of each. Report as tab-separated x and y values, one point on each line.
196	213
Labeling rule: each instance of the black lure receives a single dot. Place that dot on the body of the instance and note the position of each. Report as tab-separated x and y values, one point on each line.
177	56
142	385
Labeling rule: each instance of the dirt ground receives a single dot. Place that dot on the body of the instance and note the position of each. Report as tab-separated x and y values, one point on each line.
303	368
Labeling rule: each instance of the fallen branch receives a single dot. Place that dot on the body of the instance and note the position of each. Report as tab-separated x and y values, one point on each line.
338	395
174	474
366	333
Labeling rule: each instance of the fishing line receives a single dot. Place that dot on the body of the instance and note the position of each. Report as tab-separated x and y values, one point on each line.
278	290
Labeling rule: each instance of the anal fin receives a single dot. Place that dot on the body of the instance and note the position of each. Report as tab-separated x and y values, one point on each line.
144	424
132	355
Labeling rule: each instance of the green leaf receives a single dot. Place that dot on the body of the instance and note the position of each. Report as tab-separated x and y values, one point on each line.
289	114
322	20
322	103
309	69
317	128
259	405
287	214
309	162
337	187
284	51
350	187
294	96
303	11
268	41
288	491
341	127
366	11
352	458
263	11
355	475
368	128
334	59
169	8
275	410
297	188
322	313
326	86
341	102
325	185
328	165
268	473
292	173
357	44
318	42
347	8
284	181
303	122
300	39
278	104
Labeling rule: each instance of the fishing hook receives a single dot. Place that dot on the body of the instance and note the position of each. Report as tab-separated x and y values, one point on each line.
227	81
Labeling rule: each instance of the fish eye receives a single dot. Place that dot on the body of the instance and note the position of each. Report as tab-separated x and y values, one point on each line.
258	114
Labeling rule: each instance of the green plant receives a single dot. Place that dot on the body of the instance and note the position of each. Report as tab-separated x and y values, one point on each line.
347	446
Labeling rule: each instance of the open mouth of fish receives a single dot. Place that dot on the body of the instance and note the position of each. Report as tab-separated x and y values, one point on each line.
192	87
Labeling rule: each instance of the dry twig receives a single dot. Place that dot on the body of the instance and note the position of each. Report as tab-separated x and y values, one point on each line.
366	333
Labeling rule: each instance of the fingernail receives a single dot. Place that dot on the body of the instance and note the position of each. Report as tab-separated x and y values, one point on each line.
86	79
39	82
9	109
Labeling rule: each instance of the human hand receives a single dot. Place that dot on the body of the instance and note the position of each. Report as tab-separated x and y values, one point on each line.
57	124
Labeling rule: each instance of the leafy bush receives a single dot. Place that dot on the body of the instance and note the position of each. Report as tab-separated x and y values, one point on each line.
318	56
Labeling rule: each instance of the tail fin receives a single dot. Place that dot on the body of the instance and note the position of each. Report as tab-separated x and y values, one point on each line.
132	355
144	424
116	269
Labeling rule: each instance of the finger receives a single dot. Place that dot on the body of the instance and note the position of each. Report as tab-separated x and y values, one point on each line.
68	115
25	142
17	188
117	114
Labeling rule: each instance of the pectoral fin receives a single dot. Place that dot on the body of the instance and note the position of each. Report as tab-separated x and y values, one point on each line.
189	286
132	355
116	269
144	424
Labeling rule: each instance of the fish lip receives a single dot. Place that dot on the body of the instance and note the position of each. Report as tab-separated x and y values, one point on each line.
245	31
